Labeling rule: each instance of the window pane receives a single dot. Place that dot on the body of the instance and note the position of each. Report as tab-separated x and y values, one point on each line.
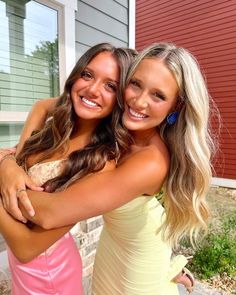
9	134
28	54
29	66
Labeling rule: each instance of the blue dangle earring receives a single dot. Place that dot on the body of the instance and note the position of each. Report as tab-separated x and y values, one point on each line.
172	117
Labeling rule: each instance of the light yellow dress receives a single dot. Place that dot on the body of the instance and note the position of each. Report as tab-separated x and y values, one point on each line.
132	258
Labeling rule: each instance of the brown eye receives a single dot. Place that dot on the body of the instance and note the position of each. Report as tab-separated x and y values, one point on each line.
86	75
111	86
134	83
159	95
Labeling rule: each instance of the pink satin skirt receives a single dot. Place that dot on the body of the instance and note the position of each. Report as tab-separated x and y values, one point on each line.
57	271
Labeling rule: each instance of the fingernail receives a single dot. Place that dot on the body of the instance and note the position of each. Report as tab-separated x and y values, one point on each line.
24	220
31	213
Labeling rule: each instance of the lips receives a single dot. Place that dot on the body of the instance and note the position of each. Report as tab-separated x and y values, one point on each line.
136	115
89	103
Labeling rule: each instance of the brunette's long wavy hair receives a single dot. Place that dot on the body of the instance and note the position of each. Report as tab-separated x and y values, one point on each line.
108	140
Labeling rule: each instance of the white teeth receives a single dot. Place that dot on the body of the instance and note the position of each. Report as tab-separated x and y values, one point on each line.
89	102
135	114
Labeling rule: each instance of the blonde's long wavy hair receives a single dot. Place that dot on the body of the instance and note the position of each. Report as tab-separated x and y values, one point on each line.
108	140
189	142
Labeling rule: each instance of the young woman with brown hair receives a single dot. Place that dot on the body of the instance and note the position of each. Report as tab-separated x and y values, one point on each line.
83	136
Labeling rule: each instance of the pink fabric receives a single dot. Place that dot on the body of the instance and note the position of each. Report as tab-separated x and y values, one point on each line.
57	271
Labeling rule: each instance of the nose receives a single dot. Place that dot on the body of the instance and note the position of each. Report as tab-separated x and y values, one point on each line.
94	88
140	101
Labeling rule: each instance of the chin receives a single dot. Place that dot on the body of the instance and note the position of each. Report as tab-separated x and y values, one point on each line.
130	126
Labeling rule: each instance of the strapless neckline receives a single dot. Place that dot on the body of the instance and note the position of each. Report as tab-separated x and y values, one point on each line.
46	163
43	171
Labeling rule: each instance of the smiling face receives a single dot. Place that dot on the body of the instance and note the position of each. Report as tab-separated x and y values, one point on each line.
94	93
150	95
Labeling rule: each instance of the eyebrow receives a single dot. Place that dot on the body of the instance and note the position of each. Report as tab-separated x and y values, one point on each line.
91	70
134	78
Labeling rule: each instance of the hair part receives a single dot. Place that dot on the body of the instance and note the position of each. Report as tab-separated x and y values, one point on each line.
108	140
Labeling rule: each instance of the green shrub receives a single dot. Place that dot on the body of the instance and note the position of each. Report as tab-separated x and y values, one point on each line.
217	252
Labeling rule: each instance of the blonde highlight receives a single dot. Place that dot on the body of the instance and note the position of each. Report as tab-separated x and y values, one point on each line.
190	145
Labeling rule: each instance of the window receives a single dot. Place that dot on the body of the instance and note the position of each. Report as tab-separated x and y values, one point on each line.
29	57
29	64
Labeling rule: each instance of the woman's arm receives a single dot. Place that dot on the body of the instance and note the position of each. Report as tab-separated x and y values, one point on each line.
12	177
143	173
25	243
20	238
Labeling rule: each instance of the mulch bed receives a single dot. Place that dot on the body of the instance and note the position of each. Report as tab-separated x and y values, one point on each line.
5	288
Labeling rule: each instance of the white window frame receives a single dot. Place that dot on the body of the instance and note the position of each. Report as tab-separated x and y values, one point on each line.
66	28
132	22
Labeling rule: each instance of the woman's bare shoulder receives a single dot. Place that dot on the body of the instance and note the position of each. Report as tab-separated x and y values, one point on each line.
156	153
149	164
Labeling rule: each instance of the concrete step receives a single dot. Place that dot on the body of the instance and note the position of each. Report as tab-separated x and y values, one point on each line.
201	289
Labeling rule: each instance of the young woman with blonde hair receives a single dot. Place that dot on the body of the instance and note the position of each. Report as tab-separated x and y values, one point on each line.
166	110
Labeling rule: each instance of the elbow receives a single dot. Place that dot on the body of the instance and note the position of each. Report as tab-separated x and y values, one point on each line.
47	223
24	259
46	217
24	256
